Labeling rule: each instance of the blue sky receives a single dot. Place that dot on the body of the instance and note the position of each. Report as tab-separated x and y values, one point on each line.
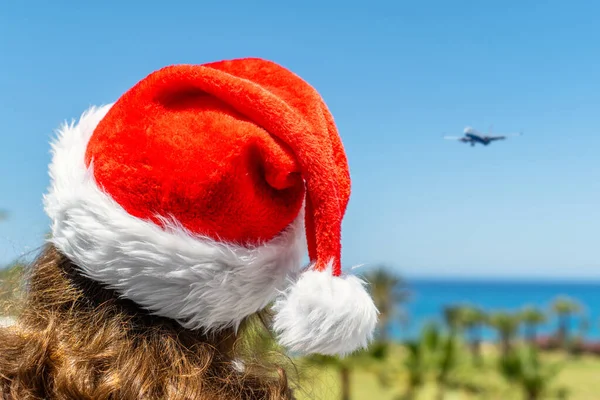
396	76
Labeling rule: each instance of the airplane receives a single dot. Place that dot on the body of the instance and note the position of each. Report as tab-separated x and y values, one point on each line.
473	136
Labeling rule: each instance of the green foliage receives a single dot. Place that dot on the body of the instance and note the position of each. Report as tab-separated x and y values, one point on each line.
433	353
472	316
367	359
421	357
3	215
532	317
432	365
507	325
470	320
522	366
564	307
415	365
372	360
453	317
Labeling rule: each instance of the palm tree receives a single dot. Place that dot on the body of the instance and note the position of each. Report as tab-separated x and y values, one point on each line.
507	326
415	367
418	361
564	307
523	367
453	318
532	317
389	292
443	349
432	352
447	362
473	319
3	215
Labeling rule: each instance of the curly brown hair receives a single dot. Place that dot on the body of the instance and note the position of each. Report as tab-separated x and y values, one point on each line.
76	339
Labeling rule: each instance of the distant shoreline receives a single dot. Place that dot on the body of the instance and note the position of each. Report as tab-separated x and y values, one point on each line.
594	281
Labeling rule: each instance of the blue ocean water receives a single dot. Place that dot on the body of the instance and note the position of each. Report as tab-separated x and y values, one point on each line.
429	297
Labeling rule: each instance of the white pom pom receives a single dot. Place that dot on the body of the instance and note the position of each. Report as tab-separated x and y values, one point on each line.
321	313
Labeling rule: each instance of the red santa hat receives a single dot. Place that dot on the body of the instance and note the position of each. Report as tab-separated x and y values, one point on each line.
196	193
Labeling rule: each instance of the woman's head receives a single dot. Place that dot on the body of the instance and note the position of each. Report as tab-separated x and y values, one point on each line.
77	339
178	213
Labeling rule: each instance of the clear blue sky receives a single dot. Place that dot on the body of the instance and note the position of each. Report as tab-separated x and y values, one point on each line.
396	76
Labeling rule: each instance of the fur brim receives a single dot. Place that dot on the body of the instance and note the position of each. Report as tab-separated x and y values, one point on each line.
322	313
194	280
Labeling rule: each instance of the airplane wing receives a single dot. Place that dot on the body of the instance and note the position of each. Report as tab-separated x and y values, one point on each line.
502	137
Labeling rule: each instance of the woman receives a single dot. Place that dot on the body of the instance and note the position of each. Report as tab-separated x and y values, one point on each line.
178	213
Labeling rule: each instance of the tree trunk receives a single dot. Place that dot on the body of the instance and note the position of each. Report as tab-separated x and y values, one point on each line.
505	345
563	327
563	330
345	381
476	352
475	346
531	395
410	393
532	333
441	391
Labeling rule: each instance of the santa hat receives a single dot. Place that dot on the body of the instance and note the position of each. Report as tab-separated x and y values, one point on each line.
193	194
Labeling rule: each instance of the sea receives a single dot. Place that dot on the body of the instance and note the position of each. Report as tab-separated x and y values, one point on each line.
428	298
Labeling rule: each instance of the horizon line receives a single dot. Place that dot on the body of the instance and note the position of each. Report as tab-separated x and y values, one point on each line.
504	278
